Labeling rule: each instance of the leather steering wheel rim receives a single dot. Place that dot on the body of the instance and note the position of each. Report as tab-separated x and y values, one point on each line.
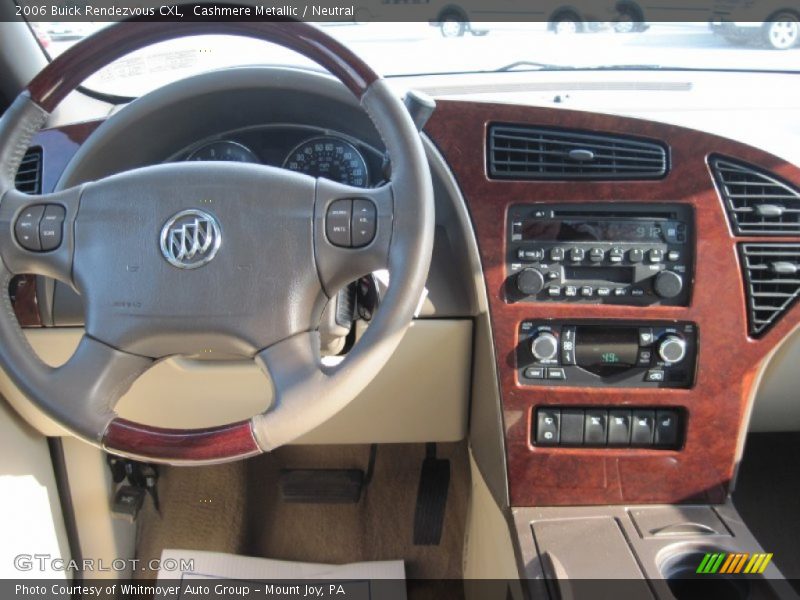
126	337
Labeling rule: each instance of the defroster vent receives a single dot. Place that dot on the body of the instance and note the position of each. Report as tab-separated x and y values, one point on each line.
521	152
772	282
758	202
29	174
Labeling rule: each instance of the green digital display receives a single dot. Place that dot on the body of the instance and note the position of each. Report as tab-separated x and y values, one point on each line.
609	357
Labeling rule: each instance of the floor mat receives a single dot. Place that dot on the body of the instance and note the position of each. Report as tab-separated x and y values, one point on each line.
768	497
236	508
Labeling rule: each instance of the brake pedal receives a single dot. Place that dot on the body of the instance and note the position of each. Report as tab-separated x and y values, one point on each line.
325	486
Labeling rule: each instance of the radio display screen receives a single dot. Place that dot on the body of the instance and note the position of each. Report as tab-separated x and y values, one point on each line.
603	350
567	230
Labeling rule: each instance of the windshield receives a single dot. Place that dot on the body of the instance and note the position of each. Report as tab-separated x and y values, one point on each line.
453	46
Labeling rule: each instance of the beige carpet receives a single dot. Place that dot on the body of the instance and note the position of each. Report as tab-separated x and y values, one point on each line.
237	508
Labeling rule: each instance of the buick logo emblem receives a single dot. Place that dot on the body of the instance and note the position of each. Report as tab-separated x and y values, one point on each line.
190	239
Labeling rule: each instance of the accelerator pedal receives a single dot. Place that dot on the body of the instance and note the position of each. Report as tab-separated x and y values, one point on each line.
434	481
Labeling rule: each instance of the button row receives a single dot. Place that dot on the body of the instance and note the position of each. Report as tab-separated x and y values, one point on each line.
615	255
587	291
614	427
351	223
542	373
39	228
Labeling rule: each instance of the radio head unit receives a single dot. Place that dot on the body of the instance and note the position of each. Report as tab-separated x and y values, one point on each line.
636	254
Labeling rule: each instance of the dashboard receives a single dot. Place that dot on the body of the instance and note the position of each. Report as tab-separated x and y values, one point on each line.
630	312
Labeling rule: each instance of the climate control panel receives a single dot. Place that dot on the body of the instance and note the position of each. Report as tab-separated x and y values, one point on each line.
615	354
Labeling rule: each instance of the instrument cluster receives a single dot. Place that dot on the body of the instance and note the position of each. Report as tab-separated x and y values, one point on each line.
310	150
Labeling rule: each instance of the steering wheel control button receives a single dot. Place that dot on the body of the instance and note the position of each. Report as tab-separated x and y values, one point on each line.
364	222
51	227
548	427
642	427
190	239
26	229
338	223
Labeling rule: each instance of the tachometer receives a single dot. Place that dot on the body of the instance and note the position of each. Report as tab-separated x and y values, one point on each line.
329	157
224	150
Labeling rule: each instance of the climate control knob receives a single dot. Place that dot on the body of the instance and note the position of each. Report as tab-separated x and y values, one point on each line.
530	281
544	346
672	349
668	284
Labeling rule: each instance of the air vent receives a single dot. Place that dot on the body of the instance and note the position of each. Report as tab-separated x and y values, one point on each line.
518	152
757	202
772	278
29	174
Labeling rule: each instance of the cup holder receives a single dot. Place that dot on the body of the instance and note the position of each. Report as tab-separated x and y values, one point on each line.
680	573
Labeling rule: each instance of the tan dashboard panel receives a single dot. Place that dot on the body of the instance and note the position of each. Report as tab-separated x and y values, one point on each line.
413	399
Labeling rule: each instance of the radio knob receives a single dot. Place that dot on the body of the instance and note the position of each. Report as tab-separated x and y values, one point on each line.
668	284
672	349
530	281
544	346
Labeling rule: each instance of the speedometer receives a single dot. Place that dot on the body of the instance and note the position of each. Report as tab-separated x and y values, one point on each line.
224	150
329	157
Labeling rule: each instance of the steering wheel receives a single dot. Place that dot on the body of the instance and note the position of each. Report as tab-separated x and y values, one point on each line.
190	258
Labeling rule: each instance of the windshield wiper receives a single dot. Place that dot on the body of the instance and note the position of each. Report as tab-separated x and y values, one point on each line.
527	64
539	66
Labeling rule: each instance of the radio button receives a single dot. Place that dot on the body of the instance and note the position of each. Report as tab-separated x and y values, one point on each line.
616	255
637	292
568	334
587	290
553	291
668	284
655	255
530	282
596	254
654	375
673	256
556	374
577	254
571	291
636	255
620	291
645	336
556	254
530	255
603	291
